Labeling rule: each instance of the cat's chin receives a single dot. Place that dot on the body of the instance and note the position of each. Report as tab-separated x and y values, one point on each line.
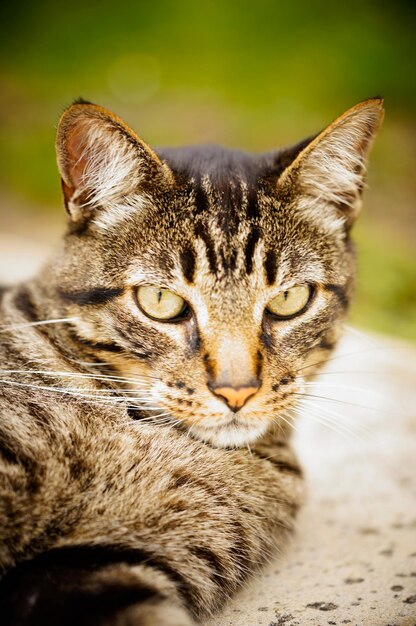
231	435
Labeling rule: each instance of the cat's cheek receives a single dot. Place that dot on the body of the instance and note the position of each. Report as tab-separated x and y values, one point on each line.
136	373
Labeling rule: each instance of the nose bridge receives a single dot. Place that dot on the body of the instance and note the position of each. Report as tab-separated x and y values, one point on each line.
234	360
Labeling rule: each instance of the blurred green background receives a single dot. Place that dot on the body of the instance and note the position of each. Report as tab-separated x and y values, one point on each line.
253	75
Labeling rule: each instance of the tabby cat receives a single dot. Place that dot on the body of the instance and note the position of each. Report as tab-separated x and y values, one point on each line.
149	372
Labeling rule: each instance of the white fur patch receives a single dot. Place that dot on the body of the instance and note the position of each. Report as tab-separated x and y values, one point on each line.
111	165
231	435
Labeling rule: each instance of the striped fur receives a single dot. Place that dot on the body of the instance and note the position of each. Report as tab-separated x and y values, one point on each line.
127	495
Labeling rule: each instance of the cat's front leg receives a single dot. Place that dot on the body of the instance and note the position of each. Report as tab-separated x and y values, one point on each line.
83	587
168	528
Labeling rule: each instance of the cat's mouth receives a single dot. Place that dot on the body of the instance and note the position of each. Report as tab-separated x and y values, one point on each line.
221	427
230	433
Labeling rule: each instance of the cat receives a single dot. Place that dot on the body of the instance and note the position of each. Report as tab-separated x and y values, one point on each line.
150	371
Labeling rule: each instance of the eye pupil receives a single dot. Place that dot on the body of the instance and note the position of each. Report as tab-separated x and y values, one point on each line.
159	296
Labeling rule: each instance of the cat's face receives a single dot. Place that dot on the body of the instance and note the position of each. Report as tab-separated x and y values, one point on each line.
211	280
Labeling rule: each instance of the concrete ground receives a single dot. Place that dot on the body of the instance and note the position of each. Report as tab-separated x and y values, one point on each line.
353	558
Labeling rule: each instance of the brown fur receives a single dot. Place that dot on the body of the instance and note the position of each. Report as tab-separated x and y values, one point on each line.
127	495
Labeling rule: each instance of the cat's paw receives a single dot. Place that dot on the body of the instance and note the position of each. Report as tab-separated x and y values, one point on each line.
152	613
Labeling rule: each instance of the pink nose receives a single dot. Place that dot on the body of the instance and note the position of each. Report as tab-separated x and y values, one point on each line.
235	397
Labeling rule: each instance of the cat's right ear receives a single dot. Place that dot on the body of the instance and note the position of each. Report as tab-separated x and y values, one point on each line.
103	164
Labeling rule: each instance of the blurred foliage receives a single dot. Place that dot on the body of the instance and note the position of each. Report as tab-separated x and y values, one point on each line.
251	75
386	295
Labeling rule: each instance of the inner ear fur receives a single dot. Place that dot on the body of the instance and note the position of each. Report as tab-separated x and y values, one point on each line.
330	170
101	159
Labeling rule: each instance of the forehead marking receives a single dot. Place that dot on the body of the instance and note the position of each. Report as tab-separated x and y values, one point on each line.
188	262
252	206
233	206
252	240
201	199
270	266
202	233
229	259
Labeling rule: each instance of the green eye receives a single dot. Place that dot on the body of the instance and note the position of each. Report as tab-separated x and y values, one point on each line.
291	302
160	303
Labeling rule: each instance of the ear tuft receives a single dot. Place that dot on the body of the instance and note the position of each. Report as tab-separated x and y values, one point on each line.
102	162
81	100
328	175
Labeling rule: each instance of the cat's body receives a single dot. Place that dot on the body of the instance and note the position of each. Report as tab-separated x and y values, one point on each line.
122	500
75	475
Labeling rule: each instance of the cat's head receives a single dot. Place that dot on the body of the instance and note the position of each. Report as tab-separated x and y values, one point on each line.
213	280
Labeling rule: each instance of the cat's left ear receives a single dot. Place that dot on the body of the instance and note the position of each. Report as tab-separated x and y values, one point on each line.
104	165
327	177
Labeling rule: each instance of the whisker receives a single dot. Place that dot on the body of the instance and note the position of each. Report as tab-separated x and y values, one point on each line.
286	417
363	390
79	395
62	320
345	402
332	373
325	420
72	360
335	417
278	422
343	356
323	385
102	377
340	419
360	334
189	429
